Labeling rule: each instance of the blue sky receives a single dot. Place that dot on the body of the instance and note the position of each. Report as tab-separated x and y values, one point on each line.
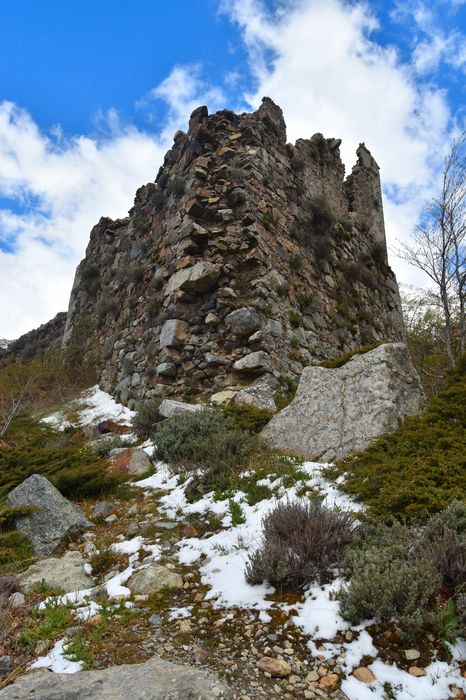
91	93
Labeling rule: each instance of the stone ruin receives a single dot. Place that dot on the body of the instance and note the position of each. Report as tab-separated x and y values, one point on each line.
247	259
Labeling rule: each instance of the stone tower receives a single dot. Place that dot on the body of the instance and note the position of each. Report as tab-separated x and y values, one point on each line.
246	260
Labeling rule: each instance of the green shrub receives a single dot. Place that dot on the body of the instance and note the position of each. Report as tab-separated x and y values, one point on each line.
295	319
90	278
146	417
399	571
209	441
248	418
301	541
387	585
236	512
295	263
48	623
103	560
294	342
103	447
420	468
38	449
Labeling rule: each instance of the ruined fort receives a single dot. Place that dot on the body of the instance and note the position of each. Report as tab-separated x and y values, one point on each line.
247	259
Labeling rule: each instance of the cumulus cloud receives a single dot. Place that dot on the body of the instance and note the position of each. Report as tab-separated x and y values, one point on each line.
321	64
54	188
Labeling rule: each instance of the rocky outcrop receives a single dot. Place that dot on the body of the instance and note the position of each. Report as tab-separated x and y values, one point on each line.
247	257
155	679
66	573
340	411
55	522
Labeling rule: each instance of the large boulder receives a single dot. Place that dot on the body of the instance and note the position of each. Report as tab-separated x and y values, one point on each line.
155	679
340	411
66	572
56	521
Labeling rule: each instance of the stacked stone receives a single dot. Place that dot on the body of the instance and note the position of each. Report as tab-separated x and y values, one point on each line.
246	260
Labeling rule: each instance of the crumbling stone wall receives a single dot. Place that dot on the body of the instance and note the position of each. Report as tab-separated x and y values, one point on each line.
37	342
248	257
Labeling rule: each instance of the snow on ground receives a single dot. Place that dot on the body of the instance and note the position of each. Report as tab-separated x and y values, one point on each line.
56	662
223	556
92	406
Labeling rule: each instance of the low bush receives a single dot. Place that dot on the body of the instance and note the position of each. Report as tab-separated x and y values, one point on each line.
208	441
146	417
413	575
420	468
38	449
295	319
103	447
443	544
103	560
387	585
248	418
301	541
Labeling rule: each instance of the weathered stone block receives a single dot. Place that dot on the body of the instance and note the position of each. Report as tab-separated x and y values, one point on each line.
254	362
340	411
174	333
244	321
201	277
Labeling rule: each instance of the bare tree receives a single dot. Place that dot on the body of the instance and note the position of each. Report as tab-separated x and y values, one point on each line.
438	248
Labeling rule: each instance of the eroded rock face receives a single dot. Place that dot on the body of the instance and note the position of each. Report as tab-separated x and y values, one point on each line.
66	572
340	411
56	522
155	679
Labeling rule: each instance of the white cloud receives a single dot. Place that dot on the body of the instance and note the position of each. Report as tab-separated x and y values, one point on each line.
318	61
63	185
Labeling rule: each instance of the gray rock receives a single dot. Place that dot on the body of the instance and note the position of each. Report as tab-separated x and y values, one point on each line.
56	523
5	664
169	408
244	321
174	333
66	572
103	508
201	277
129	460
153	579
16	600
259	395
254	362
166	369
155	679
340	411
